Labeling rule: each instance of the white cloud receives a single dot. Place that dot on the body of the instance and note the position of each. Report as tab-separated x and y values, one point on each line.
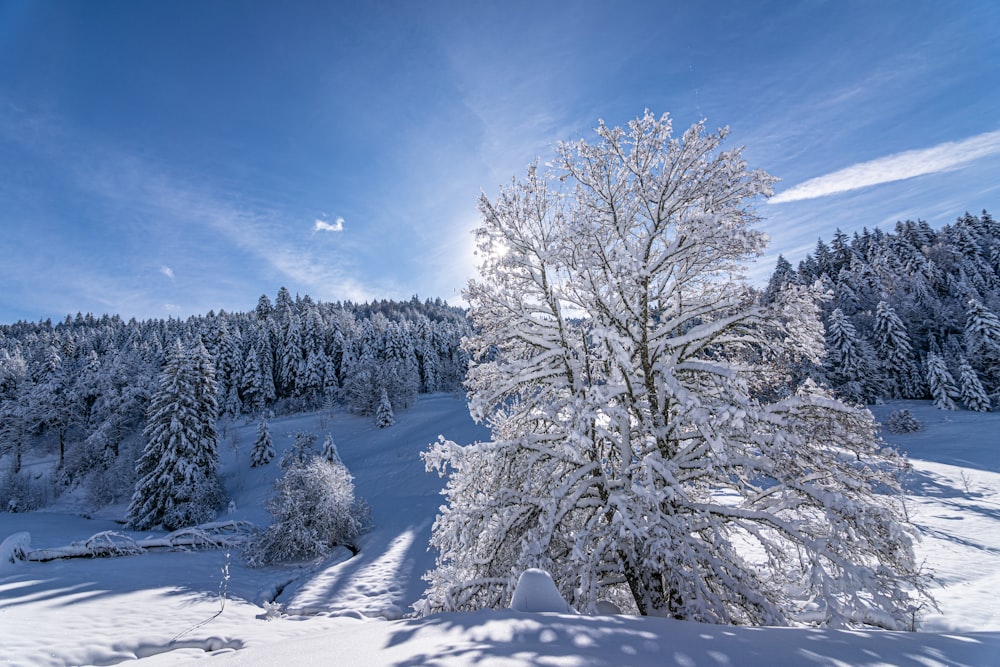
324	226
167	271
898	167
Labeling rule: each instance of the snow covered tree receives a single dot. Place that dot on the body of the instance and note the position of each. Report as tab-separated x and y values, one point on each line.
253	382
176	475
384	416
264	308
314	510
626	374
303	448
982	340
289	359
903	421
263	448
329	452
13	381
940	381
782	276
895	353
971	390
51	402
849	359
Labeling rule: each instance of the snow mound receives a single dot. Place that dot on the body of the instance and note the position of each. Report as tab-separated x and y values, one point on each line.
15	547
536	592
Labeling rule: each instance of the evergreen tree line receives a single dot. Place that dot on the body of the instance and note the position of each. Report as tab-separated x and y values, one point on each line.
80	391
910	313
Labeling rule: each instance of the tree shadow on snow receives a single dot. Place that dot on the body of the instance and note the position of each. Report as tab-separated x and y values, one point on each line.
590	641
196	574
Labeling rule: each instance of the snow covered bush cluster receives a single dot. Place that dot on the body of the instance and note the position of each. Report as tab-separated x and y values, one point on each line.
314	509
77	394
912	313
647	444
902	421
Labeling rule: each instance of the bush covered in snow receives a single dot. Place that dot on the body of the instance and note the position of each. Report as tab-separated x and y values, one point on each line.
903	421
20	493
314	510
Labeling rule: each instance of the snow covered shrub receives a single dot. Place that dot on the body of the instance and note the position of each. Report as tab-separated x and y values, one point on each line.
20	493
314	510
197	502
902	421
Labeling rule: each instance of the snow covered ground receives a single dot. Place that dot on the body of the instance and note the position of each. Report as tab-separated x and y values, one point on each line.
164	607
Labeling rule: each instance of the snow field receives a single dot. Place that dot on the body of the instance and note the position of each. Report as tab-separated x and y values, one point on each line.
159	607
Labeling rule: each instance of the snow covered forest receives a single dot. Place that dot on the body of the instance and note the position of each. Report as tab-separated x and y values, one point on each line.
76	394
911	313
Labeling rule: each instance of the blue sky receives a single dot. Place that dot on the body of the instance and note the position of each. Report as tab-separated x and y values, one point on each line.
167	158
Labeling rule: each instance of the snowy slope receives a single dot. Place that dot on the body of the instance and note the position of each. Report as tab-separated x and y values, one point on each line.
164	607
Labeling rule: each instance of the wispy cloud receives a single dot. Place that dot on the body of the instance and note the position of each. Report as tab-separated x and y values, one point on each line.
167	271
897	167
324	226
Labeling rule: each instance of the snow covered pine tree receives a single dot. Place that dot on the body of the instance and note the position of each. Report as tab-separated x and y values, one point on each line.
384	416
263	447
644	448
176	482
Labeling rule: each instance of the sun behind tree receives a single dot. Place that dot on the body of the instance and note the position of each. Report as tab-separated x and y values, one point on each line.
647	447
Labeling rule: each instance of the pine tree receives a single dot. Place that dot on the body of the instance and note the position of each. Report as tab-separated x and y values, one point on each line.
783	275
13	381
253	382
264	308
330	452
982	339
849	359
971	389
176	475
311	377
263	449
895	353
940	381
624	370
265	355
289	369
303	448
384	416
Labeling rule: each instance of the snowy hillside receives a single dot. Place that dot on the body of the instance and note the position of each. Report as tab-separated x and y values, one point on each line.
164	607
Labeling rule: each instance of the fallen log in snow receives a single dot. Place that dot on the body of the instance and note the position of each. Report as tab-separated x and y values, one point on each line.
109	543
